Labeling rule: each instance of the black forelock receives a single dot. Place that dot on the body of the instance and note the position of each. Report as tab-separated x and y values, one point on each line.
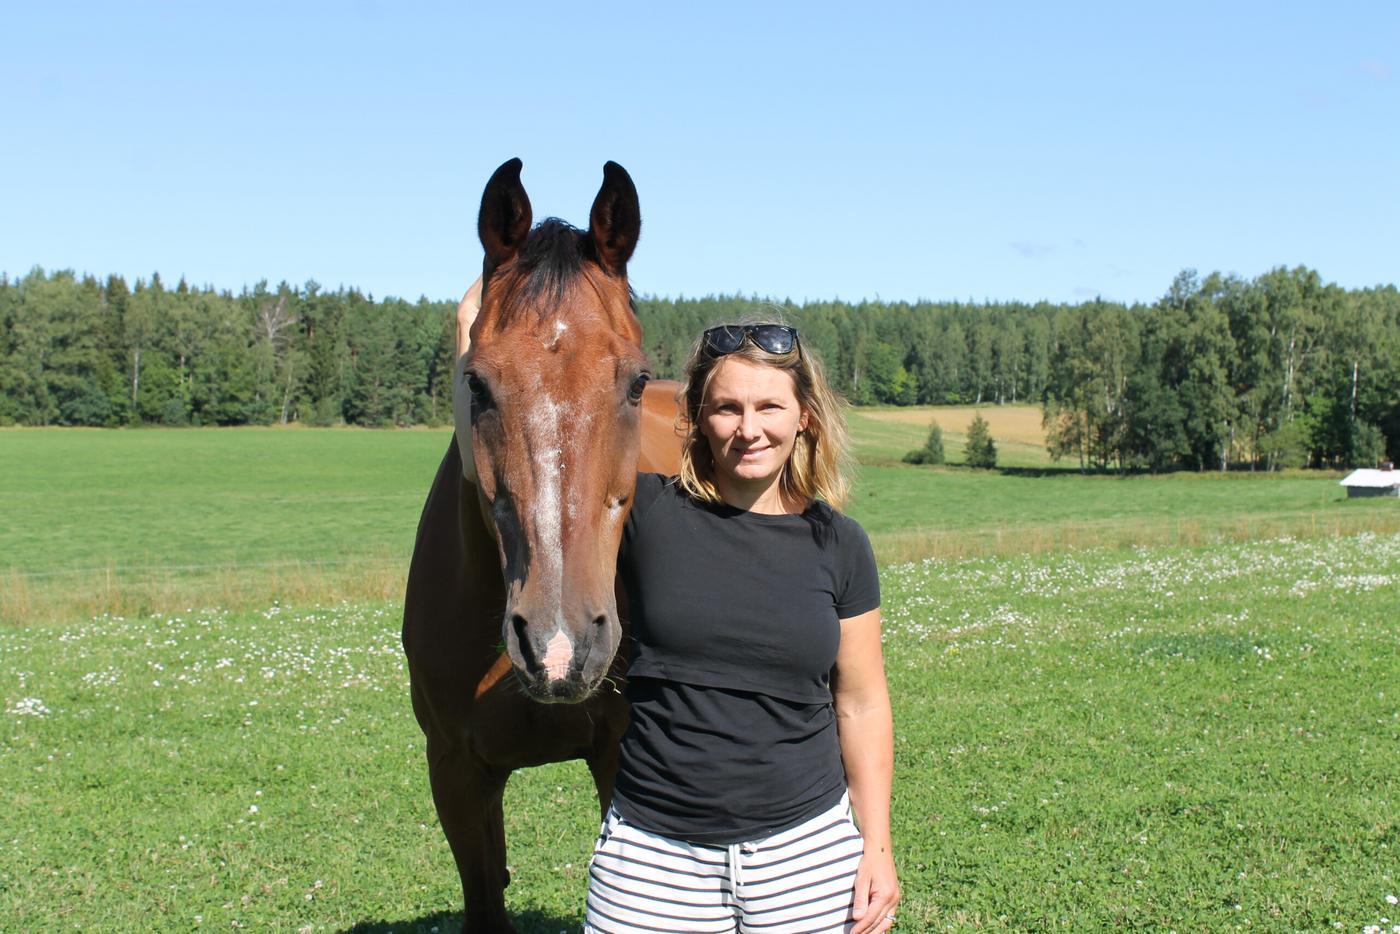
551	260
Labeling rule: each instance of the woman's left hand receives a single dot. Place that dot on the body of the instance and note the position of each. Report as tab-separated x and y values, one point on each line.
877	893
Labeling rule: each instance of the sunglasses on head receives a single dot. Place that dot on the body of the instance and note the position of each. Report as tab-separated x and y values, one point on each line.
727	338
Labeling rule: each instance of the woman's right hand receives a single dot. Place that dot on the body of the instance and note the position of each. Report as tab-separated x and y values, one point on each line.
467	311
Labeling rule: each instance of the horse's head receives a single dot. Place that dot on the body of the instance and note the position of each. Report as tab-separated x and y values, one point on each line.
555	373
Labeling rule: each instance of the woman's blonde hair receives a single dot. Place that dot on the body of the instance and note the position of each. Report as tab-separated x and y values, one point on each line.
819	466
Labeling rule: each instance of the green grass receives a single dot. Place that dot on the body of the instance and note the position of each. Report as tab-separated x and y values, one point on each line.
1188	738
152	498
135	522
912	512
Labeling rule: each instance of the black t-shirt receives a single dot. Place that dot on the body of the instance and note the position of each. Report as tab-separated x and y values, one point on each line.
735	621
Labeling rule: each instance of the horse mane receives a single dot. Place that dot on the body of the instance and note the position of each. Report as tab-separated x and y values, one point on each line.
551	260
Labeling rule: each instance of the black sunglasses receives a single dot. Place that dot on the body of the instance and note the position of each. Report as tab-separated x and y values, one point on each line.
774	338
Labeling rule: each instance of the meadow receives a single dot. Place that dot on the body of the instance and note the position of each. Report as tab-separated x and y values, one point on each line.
1120	701
135	522
1176	738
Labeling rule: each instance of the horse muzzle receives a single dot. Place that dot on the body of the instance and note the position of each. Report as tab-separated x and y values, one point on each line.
561	664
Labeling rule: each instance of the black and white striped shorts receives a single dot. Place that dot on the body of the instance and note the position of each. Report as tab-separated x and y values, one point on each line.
799	880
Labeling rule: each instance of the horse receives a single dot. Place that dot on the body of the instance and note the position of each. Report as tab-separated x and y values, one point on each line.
511	624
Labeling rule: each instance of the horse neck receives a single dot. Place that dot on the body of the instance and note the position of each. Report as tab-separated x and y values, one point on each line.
478	531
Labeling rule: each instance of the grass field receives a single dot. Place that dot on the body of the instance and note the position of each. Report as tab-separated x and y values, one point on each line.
134	522
1175	738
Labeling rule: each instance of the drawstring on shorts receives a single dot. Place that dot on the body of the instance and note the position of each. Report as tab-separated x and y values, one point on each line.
736	852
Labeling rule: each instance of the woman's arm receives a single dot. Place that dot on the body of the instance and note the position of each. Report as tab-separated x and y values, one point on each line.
461	396
865	725
467	310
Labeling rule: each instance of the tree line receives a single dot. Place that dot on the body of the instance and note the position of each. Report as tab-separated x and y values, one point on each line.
1279	370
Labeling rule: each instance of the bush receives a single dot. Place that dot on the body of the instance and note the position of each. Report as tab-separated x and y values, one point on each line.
981	451
932	451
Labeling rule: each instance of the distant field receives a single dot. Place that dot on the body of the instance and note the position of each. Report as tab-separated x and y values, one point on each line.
132	522
1016	423
1194	739
887	434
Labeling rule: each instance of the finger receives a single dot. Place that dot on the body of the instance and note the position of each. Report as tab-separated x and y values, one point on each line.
872	918
860	906
862	893
880	909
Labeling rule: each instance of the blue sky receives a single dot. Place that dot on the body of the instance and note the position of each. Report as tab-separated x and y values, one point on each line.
1001	151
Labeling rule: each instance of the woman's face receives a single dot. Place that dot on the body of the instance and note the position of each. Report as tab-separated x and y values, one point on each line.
751	418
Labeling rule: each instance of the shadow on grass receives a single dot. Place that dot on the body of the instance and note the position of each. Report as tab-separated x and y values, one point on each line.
1193	646
450	922
1049	472
961	468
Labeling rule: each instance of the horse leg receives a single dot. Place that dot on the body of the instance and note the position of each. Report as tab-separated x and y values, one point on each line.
604	771
602	760
468	796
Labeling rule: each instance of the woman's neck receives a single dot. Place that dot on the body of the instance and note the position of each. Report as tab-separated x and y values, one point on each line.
765	499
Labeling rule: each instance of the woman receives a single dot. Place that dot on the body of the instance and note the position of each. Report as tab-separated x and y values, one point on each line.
760	713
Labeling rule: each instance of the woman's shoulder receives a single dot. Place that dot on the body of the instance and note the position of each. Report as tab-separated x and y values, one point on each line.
829	515
651	487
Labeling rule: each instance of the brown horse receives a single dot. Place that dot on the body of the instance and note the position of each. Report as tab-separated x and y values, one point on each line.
511	597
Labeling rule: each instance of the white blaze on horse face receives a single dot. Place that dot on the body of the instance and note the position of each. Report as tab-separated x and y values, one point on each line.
548	420
546	423
558	655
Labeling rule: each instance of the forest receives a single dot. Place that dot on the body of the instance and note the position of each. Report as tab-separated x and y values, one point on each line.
1221	372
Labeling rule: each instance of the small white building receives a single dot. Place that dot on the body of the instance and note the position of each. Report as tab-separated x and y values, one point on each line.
1368	482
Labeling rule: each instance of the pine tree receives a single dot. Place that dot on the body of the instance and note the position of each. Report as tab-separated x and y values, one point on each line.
932	451
981	451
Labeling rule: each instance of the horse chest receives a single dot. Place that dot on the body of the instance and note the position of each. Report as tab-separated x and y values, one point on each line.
511	731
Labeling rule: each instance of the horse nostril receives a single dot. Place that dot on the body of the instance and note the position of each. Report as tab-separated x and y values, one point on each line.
521	627
599	622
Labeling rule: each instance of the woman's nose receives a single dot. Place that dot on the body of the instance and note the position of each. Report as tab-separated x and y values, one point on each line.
748	424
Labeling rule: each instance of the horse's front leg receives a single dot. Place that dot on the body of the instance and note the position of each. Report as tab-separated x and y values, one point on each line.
610	718
467	795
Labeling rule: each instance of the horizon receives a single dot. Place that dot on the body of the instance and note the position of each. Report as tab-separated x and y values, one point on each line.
170	283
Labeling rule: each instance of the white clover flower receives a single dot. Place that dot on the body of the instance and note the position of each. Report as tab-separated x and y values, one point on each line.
29	707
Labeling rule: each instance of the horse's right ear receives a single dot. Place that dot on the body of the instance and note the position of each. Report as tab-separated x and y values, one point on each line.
504	221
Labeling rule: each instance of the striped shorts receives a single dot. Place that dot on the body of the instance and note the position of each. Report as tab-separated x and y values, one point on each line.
799	881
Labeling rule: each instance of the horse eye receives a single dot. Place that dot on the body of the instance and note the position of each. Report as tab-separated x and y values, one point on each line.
634	393
477	387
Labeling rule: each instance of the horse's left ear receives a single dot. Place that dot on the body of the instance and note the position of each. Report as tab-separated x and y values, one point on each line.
615	221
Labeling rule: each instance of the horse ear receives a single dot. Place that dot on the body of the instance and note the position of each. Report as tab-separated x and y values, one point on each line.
504	221
616	220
